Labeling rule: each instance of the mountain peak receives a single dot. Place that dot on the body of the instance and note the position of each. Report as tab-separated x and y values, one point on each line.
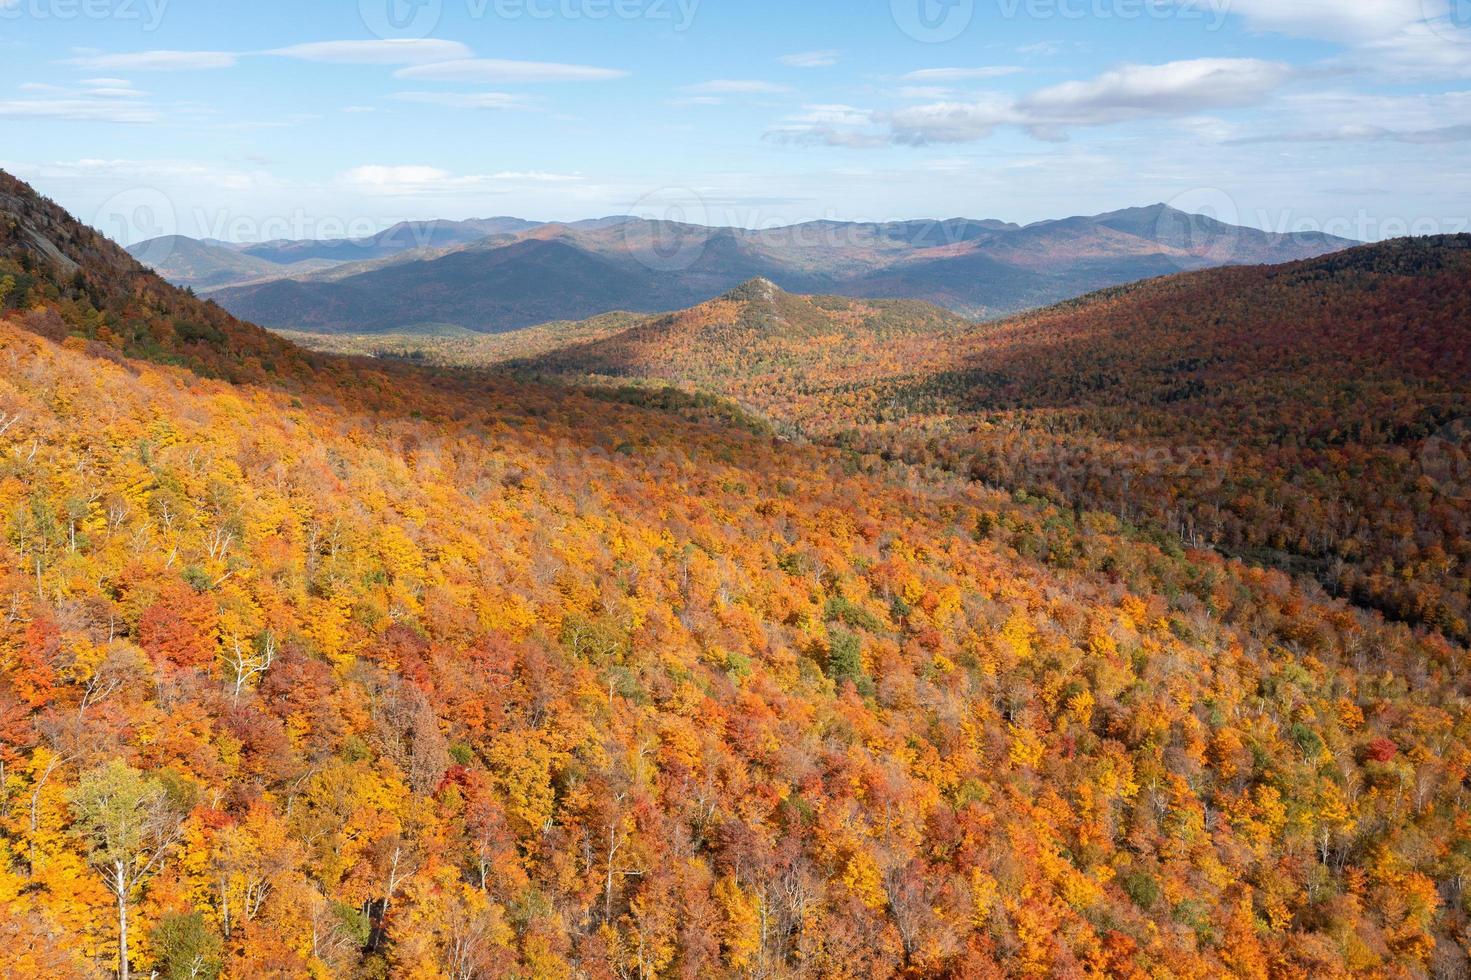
759	289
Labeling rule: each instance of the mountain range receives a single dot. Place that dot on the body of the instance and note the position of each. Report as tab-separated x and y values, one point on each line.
502	273
937	657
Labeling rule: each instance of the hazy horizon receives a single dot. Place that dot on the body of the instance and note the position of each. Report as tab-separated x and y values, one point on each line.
149	117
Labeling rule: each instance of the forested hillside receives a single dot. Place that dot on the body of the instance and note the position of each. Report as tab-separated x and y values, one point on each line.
314	666
760	346
1314	417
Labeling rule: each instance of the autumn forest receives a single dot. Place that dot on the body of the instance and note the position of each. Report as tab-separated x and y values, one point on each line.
779	637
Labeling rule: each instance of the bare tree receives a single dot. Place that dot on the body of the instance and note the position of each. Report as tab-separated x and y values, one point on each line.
247	662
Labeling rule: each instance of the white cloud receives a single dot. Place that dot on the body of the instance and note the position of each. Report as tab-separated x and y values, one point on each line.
1420	51
156	61
828	125
1176	89
494	70
466	100
533	176
381	176
78	110
952	122
833	115
401	51
1400	38
1365	134
1345	116
140	170
733	86
810	59
926	93
822	134
961	74
415	181
1334	20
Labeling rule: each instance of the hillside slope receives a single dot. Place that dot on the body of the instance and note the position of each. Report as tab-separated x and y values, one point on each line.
755	343
1311	416
485	289
369	671
66	279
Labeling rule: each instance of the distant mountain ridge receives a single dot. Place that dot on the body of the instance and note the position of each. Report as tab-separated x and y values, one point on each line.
500	274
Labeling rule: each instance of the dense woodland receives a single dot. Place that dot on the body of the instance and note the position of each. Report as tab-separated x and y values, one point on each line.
1314	417
314	666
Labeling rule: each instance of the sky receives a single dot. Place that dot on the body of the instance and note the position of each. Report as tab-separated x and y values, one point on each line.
252	120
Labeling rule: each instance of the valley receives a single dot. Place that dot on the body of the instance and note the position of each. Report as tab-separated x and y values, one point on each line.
784	635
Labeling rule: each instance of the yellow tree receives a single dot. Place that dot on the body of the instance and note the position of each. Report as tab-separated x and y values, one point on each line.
129	822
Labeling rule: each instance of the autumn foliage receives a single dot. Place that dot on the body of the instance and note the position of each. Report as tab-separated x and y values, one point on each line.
354	670
1314	417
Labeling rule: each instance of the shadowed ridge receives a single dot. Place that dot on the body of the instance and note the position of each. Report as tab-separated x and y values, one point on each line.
68	280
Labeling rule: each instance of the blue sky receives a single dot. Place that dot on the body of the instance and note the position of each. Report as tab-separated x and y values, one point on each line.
265	119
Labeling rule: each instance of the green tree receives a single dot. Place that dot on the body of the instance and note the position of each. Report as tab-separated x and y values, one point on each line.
187	948
130	821
845	658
